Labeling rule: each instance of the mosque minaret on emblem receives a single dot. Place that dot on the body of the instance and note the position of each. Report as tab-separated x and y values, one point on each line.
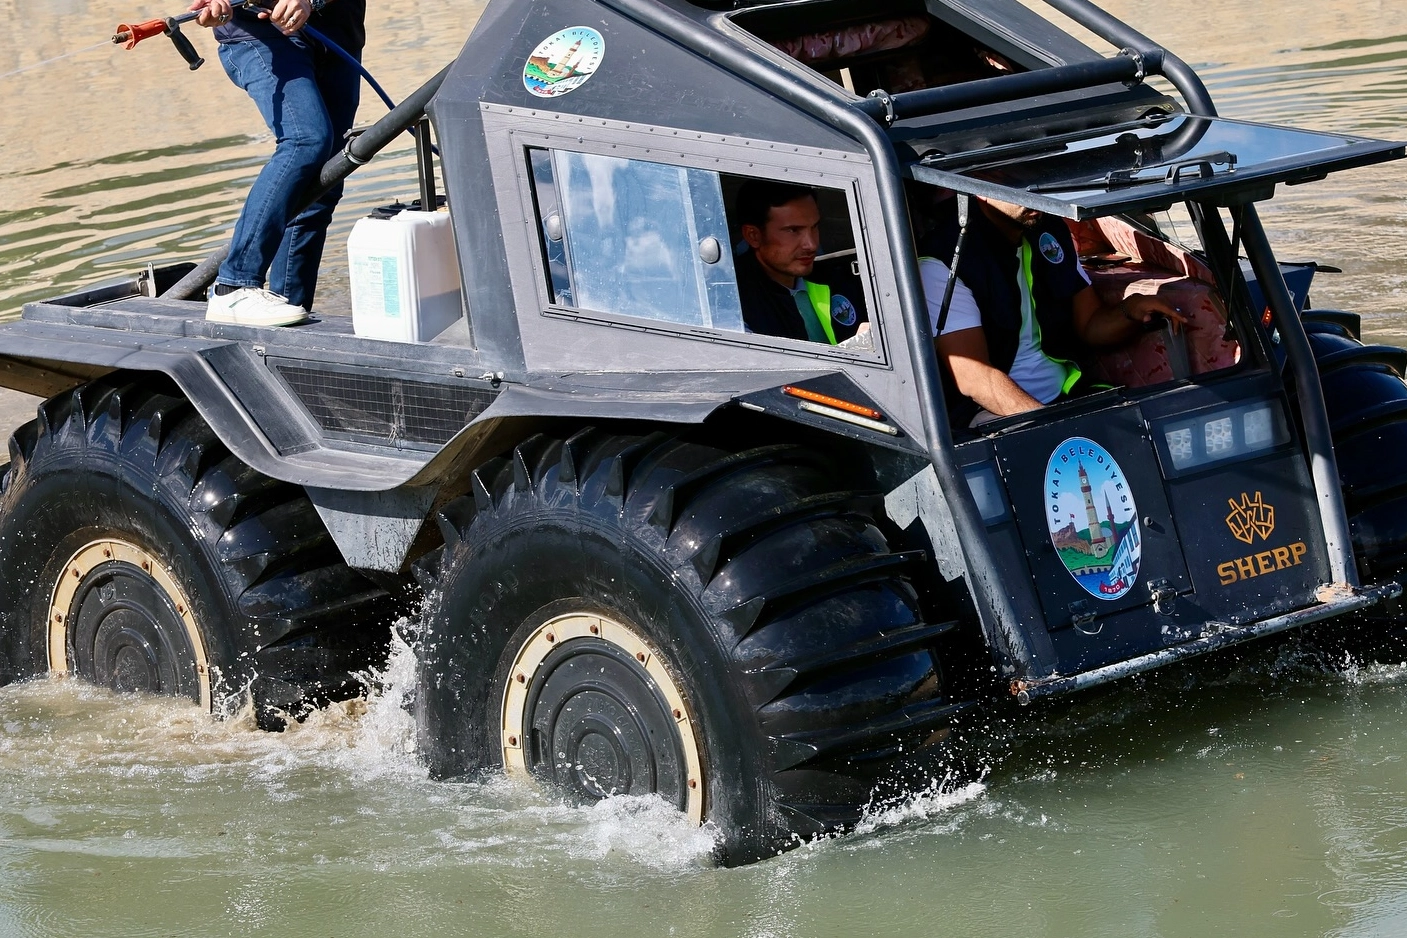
1104	556
1098	543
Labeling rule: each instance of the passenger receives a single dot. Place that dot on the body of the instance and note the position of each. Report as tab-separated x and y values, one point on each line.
781	224
1022	311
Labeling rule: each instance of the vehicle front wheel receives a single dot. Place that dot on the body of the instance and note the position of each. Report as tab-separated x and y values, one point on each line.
138	553
654	615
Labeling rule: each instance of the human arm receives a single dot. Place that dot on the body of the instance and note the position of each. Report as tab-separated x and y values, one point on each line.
289	16
1102	326
962	348
212	12
964	354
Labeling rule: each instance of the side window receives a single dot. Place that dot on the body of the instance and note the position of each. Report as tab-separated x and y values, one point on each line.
549	214
634	238
697	248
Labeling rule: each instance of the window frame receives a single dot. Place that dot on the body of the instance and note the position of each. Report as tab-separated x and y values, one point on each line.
748	163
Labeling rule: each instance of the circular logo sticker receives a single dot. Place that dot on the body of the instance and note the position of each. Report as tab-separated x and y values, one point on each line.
1051	249
563	61
1092	518
842	310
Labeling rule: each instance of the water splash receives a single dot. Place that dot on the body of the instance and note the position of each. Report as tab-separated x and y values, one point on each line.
1361	674
938	799
349	770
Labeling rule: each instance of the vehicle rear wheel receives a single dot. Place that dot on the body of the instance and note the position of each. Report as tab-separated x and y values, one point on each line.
139	554
120	619
655	615
1366	400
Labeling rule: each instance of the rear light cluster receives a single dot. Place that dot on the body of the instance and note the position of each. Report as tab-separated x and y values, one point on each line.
1224	435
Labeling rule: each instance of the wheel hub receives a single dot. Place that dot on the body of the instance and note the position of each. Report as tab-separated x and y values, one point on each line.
122	652
118	618
591	709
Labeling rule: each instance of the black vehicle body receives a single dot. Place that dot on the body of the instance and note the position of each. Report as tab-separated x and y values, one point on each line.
383	436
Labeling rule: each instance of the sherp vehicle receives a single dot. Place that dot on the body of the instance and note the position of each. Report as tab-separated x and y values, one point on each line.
757	576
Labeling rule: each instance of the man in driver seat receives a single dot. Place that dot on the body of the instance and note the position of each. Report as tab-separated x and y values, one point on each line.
781	224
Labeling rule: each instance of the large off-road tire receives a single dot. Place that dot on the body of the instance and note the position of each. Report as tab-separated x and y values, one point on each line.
137	553
1366	400
651	614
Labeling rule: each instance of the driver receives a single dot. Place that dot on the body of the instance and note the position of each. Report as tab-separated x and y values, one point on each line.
781	224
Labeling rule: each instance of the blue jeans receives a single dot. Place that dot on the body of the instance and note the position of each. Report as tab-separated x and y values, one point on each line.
308	97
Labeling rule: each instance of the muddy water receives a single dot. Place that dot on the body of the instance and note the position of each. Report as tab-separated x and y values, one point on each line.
1258	794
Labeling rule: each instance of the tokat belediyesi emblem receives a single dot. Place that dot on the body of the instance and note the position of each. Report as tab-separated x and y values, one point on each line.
1092	518
563	62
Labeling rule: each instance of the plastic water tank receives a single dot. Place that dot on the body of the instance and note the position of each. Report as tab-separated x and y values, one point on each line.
404	275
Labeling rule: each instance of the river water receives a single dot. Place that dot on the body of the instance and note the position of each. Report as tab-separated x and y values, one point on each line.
1261	793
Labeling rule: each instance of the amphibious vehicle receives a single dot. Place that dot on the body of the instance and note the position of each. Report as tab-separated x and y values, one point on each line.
659	553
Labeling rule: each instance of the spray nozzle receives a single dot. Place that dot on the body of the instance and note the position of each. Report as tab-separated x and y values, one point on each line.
128	36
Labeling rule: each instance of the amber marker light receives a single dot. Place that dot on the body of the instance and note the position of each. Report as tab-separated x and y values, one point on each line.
826	400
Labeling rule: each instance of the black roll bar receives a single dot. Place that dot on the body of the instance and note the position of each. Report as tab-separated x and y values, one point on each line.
1111	29
1129	66
1323	464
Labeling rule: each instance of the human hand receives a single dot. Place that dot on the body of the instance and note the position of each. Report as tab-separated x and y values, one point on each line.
212	12
1147	310
289	15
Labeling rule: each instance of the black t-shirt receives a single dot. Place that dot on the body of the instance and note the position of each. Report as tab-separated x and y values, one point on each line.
342	21
770	309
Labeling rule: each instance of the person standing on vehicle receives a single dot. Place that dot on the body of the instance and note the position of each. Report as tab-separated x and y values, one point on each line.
308	96
781	224
1022	311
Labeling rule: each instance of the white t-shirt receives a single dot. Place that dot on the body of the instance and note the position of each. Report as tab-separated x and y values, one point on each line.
1032	371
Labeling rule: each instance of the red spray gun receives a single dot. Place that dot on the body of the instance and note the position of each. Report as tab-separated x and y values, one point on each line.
128	35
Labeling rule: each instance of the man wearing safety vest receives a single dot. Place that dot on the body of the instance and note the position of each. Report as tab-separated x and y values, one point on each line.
1021	312
781	223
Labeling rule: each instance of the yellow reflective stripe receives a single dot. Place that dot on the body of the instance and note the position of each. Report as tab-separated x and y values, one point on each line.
1072	377
1072	370
820	296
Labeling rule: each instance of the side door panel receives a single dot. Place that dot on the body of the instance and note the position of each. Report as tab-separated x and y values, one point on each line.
1091	511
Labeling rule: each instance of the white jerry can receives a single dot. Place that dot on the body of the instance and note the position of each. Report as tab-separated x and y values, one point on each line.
404	275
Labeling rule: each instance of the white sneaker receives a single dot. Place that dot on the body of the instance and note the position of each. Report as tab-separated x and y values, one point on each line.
252	306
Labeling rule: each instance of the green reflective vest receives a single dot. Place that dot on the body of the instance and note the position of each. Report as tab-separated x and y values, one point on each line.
820	296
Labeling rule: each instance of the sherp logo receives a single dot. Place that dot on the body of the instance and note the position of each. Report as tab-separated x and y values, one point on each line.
1250	518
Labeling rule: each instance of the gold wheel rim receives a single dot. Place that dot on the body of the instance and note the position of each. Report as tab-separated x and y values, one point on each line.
555	632
114	550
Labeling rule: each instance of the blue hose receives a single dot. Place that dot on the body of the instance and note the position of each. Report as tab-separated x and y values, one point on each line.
353	61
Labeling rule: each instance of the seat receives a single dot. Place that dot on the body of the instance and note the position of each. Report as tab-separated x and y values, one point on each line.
1140	263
